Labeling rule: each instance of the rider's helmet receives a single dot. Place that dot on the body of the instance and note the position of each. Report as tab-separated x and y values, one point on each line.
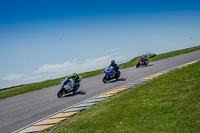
74	74
113	61
145	56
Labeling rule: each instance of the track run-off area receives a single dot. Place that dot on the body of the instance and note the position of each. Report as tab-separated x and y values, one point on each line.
19	111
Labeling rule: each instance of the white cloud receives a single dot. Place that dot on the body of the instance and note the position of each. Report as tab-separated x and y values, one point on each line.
53	71
56	67
12	77
110	51
67	68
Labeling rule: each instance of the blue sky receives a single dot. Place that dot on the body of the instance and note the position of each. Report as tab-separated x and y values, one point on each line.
47	39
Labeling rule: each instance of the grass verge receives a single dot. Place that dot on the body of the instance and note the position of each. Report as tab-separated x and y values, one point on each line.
168	103
48	83
175	53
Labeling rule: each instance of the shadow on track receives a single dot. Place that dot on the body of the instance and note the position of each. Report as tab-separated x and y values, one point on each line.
113	81
77	93
146	66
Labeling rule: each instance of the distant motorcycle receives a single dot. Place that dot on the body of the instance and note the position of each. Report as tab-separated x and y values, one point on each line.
144	61
68	86
111	74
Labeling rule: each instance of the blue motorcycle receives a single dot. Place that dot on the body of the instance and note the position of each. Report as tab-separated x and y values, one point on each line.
110	73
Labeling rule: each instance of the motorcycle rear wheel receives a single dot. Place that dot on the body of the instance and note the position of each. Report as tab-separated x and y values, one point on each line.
75	89
117	75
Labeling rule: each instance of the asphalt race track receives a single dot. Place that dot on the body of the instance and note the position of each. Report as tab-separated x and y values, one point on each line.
19	111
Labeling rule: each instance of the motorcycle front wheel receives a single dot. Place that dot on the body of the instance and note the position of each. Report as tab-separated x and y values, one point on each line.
105	79
137	66
60	93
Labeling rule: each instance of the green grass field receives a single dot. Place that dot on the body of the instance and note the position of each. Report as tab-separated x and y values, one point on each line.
168	103
45	84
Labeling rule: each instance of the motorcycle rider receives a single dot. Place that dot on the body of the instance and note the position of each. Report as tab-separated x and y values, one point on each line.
114	65
146	59
75	78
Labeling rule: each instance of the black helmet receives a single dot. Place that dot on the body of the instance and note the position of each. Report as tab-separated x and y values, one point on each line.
113	61
145	56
